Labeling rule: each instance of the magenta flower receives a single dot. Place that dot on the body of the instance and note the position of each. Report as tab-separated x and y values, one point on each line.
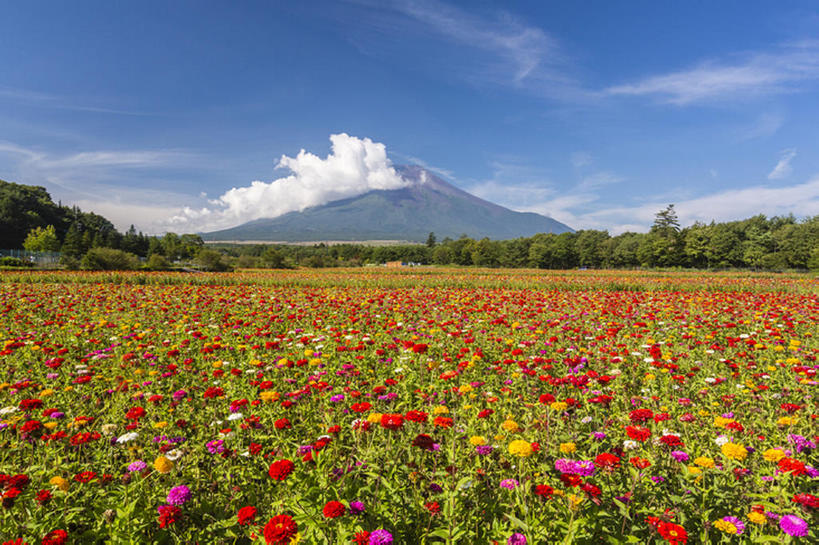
793	526
179	495
380	537
516	539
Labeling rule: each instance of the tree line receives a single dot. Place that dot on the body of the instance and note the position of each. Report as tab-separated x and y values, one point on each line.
761	243
30	219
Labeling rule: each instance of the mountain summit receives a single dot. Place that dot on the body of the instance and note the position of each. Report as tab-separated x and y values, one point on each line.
427	204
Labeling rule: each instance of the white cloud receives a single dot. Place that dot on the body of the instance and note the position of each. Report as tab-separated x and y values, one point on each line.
354	166
783	168
757	74
802	200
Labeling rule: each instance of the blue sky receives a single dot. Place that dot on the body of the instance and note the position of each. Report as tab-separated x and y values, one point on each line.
164	114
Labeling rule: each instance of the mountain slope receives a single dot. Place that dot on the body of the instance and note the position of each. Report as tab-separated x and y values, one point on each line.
428	204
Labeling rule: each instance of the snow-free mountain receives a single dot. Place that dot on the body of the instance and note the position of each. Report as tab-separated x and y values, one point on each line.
427	204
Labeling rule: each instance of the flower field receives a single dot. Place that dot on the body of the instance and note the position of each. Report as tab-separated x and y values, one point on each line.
423	406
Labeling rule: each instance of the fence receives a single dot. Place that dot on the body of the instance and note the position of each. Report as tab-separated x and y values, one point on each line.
38	258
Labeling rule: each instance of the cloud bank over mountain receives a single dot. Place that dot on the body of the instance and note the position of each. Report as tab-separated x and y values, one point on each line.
353	167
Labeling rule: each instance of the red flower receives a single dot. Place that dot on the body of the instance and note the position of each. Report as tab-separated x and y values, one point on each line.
85	476
417	416
484	413
55	537
280	530
30	404
794	466
280	469
135	413
168	514
671	441
607	461
640	415
443	421
392	421
43	497
283	424
639	463
638	433
333	509
544	491
806	500
246	515
361	407
362	538
18	541
673	533
433	507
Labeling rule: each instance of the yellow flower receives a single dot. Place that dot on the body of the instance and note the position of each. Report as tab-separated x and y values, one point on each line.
47	392
558	406
50	425
162	464
787	421
477	440
440	409
703	461
374	418
773	455
59	482
725	526
721	422
269	396
574	501
510	426
520	448
465	388
756	518
567	448
734	451
694	470
160	425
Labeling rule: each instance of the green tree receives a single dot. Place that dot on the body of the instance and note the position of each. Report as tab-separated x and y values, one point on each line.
42	239
431	240
211	260
666	246
109	259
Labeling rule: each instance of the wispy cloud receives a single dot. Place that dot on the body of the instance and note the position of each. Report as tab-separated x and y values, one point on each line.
783	167
503	49
784	70
47	100
85	179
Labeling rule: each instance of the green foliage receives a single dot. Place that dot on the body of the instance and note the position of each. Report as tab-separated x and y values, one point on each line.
9	261
42	239
157	262
109	259
211	260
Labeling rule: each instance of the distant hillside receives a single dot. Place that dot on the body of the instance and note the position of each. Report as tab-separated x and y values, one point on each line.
429	204
24	207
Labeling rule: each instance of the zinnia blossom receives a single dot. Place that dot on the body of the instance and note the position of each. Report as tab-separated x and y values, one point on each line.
793	526
280	469
520	448
179	495
279	530
380	537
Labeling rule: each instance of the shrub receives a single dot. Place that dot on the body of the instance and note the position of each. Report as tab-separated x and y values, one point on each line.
211	260
157	262
108	259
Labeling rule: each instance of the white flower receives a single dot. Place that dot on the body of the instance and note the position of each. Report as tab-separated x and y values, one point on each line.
628	444
7	410
235	416
721	440
586	420
130	436
173	455
710	380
